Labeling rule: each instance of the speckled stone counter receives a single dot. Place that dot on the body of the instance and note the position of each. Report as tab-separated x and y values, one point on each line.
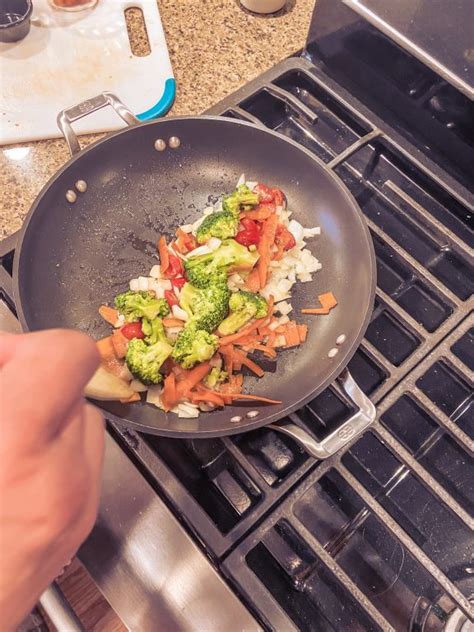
209	62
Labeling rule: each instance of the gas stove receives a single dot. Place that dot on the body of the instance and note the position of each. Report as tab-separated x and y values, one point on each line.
248	532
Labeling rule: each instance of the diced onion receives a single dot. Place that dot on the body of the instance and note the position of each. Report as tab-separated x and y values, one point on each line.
155	272
178	312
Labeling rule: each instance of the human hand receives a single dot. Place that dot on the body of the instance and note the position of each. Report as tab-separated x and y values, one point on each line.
51	452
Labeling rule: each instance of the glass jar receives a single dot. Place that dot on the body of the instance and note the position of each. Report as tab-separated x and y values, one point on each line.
73	5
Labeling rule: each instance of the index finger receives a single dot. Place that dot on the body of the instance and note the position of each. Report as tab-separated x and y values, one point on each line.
43	379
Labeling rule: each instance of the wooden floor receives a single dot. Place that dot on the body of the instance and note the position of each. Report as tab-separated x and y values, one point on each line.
87	602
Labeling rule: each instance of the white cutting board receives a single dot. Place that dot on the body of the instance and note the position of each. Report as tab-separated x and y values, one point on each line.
69	57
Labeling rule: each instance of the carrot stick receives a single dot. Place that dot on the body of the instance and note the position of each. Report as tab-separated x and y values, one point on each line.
164	254
225	340
266	400
253	366
207	396
173	322
271	339
291	334
169	391
260	214
109	314
302	332
267	350
264	248
120	343
227	352
106	348
328	302
187	383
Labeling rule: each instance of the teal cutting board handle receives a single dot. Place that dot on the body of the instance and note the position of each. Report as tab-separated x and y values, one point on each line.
163	105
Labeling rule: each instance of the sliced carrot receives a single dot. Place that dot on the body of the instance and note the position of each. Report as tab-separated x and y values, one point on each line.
188	381
291	334
271	339
253	366
227	352
109	314
253	281
302	332
267	350
173	322
164	254
169	391
225	340
260	213
133	398
267	240
120	343
207	396
328	302
106	348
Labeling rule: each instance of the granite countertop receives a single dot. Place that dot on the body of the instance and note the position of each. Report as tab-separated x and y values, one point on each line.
208	62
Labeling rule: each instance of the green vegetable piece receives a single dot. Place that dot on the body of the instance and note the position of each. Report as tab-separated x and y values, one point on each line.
216	376
154	331
201	270
243	307
221	224
145	361
136	305
241	198
194	345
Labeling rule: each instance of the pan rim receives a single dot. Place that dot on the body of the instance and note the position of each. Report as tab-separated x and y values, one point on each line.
341	360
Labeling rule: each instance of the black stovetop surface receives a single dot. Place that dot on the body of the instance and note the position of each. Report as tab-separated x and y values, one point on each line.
377	537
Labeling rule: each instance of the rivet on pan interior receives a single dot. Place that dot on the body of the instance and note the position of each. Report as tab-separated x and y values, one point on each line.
81	186
252	414
341	339
236	419
333	352
160	144
174	142
71	196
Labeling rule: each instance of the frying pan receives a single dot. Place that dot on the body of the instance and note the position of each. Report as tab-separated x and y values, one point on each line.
147	179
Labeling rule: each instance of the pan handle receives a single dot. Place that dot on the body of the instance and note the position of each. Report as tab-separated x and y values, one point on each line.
68	116
349	430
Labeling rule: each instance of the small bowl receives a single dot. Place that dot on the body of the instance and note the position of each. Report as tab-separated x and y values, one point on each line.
15	19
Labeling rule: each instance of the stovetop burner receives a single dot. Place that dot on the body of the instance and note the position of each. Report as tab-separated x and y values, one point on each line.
379	536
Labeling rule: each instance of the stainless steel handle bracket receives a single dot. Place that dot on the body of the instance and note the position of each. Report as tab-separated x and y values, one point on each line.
349	430
66	117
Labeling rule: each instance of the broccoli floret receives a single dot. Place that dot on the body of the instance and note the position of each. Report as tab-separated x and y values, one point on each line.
194	345
243	307
242	197
201	275
135	305
229	256
216	376
206	307
144	361
221	224
154	331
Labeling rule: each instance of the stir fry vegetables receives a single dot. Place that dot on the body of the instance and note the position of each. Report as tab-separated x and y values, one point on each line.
189	332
